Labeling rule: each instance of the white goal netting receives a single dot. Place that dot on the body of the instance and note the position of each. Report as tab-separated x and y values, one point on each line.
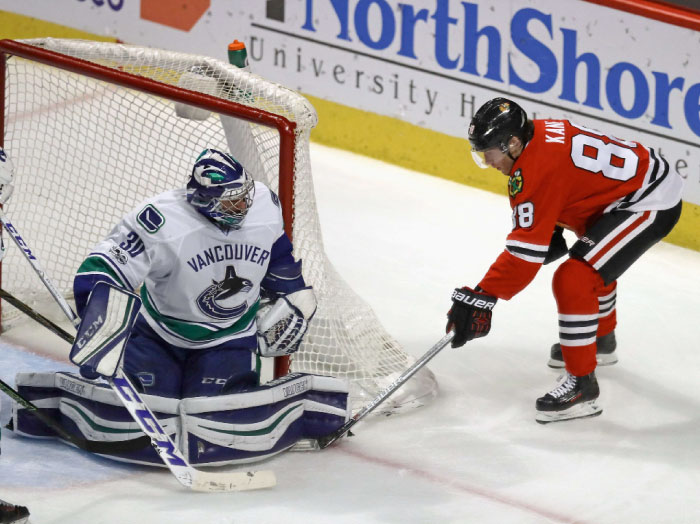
88	150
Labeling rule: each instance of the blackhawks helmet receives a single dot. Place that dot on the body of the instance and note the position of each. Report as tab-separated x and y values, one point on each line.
220	188
495	123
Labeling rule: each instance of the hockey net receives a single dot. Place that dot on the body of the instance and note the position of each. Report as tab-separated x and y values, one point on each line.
94	128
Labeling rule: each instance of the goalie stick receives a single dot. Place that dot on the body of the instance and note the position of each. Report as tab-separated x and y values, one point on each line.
326	441
188	476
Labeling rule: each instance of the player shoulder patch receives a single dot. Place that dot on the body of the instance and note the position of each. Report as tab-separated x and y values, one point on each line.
150	218
515	183
118	254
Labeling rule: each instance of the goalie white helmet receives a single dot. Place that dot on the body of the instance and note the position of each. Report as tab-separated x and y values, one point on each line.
220	188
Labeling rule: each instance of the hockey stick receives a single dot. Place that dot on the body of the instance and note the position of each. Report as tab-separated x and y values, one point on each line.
29	256
165	447
326	441
35	315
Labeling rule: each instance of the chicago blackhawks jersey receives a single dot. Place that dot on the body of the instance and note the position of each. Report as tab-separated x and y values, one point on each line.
200	285
570	175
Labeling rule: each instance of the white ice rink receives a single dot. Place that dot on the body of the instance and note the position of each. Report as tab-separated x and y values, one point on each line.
403	241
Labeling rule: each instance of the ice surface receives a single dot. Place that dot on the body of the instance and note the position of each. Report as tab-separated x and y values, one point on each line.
403	241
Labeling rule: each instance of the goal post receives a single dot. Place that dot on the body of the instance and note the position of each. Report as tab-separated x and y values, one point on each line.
94	128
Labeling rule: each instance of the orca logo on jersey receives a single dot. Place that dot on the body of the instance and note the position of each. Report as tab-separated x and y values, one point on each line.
231	285
515	183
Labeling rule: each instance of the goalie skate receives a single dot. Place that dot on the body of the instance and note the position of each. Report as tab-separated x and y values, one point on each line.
574	397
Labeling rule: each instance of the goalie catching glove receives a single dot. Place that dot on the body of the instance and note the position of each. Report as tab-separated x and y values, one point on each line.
470	316
283	323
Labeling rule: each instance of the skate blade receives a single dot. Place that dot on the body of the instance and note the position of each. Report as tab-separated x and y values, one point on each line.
601	359
583	410
606	359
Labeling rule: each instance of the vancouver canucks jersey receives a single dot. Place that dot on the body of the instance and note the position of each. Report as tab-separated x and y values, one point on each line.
200	285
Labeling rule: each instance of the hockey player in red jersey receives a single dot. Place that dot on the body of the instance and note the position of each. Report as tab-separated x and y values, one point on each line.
618	197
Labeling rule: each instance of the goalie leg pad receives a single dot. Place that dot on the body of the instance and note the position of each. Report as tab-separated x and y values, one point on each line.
237	428
40	390
89	410
263	421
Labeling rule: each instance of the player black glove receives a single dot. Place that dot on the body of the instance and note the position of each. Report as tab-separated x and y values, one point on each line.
470	316
557	246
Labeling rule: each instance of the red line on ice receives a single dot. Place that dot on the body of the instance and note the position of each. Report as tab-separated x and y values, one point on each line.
461	486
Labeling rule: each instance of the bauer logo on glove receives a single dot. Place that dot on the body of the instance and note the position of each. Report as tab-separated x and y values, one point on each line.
470	316
471	298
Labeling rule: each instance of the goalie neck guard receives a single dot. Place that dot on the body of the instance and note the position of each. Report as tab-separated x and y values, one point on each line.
220	188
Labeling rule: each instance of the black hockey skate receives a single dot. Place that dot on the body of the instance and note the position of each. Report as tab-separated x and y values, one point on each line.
605	352
11	514
574	397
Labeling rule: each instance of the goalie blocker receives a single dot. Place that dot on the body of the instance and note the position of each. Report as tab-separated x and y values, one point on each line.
104	330
241	427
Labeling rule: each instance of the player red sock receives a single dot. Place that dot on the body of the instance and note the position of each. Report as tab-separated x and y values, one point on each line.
577	286
606	302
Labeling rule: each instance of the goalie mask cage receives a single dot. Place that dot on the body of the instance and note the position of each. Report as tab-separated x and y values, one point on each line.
94	128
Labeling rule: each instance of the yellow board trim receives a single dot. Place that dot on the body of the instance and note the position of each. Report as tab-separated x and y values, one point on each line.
372	135
16	26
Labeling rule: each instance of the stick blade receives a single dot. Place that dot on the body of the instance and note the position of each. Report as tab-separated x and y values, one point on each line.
236	481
